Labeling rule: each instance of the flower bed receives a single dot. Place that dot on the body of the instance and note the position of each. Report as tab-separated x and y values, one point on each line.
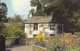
57	43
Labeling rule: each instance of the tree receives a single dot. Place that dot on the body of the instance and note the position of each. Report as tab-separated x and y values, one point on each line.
39	11
10	20
32	11
66	12
13	31
14	28
3	12
16	19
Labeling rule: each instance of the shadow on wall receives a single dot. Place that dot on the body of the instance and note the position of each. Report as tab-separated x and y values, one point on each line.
14	41
12	46
8	50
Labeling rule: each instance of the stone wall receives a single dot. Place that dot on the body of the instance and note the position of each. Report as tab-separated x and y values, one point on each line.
14	41
28	41
39	48
9	41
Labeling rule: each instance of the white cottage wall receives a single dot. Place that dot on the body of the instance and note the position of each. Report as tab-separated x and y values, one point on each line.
44	28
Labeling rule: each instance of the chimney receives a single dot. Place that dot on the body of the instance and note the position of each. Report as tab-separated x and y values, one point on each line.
30	15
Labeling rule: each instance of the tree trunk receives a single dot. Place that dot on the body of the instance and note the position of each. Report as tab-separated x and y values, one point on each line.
72	32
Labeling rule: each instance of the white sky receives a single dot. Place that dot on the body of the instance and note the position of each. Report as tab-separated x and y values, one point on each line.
21	7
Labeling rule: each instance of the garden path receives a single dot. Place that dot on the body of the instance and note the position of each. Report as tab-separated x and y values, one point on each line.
19	48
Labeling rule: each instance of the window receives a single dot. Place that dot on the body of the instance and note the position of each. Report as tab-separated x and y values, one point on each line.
35	26
52	25
34	35
52	34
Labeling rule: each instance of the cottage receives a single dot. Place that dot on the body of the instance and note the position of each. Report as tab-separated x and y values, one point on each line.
39	24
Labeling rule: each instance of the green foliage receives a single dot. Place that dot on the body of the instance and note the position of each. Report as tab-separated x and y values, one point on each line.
13	31
77	34
39	6
16	19
14	27
66	12
19	33
56	43
30	26
51	43
3	12
32	11
1	26
10	37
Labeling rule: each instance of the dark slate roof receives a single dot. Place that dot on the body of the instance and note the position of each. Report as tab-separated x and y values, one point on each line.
39	19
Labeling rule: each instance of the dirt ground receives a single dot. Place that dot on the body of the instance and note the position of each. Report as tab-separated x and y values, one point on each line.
19	48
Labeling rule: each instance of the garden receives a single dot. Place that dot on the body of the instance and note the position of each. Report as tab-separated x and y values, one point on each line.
68	42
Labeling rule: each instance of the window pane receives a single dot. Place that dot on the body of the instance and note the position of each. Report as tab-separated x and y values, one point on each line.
52	25
35	26
52	34
34	35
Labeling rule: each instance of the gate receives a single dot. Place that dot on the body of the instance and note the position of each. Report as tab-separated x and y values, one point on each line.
2	43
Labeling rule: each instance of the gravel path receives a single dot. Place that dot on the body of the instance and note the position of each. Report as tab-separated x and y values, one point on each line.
19	48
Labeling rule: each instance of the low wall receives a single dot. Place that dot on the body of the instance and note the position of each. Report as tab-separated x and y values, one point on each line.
9	41
39	48
14	41
29	41
21	41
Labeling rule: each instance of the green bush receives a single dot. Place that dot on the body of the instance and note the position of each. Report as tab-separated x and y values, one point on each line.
11	30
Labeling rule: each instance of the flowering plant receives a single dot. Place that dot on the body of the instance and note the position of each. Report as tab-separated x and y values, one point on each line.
58	41
39	36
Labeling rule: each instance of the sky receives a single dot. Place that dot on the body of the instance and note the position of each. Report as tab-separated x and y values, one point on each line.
21	7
